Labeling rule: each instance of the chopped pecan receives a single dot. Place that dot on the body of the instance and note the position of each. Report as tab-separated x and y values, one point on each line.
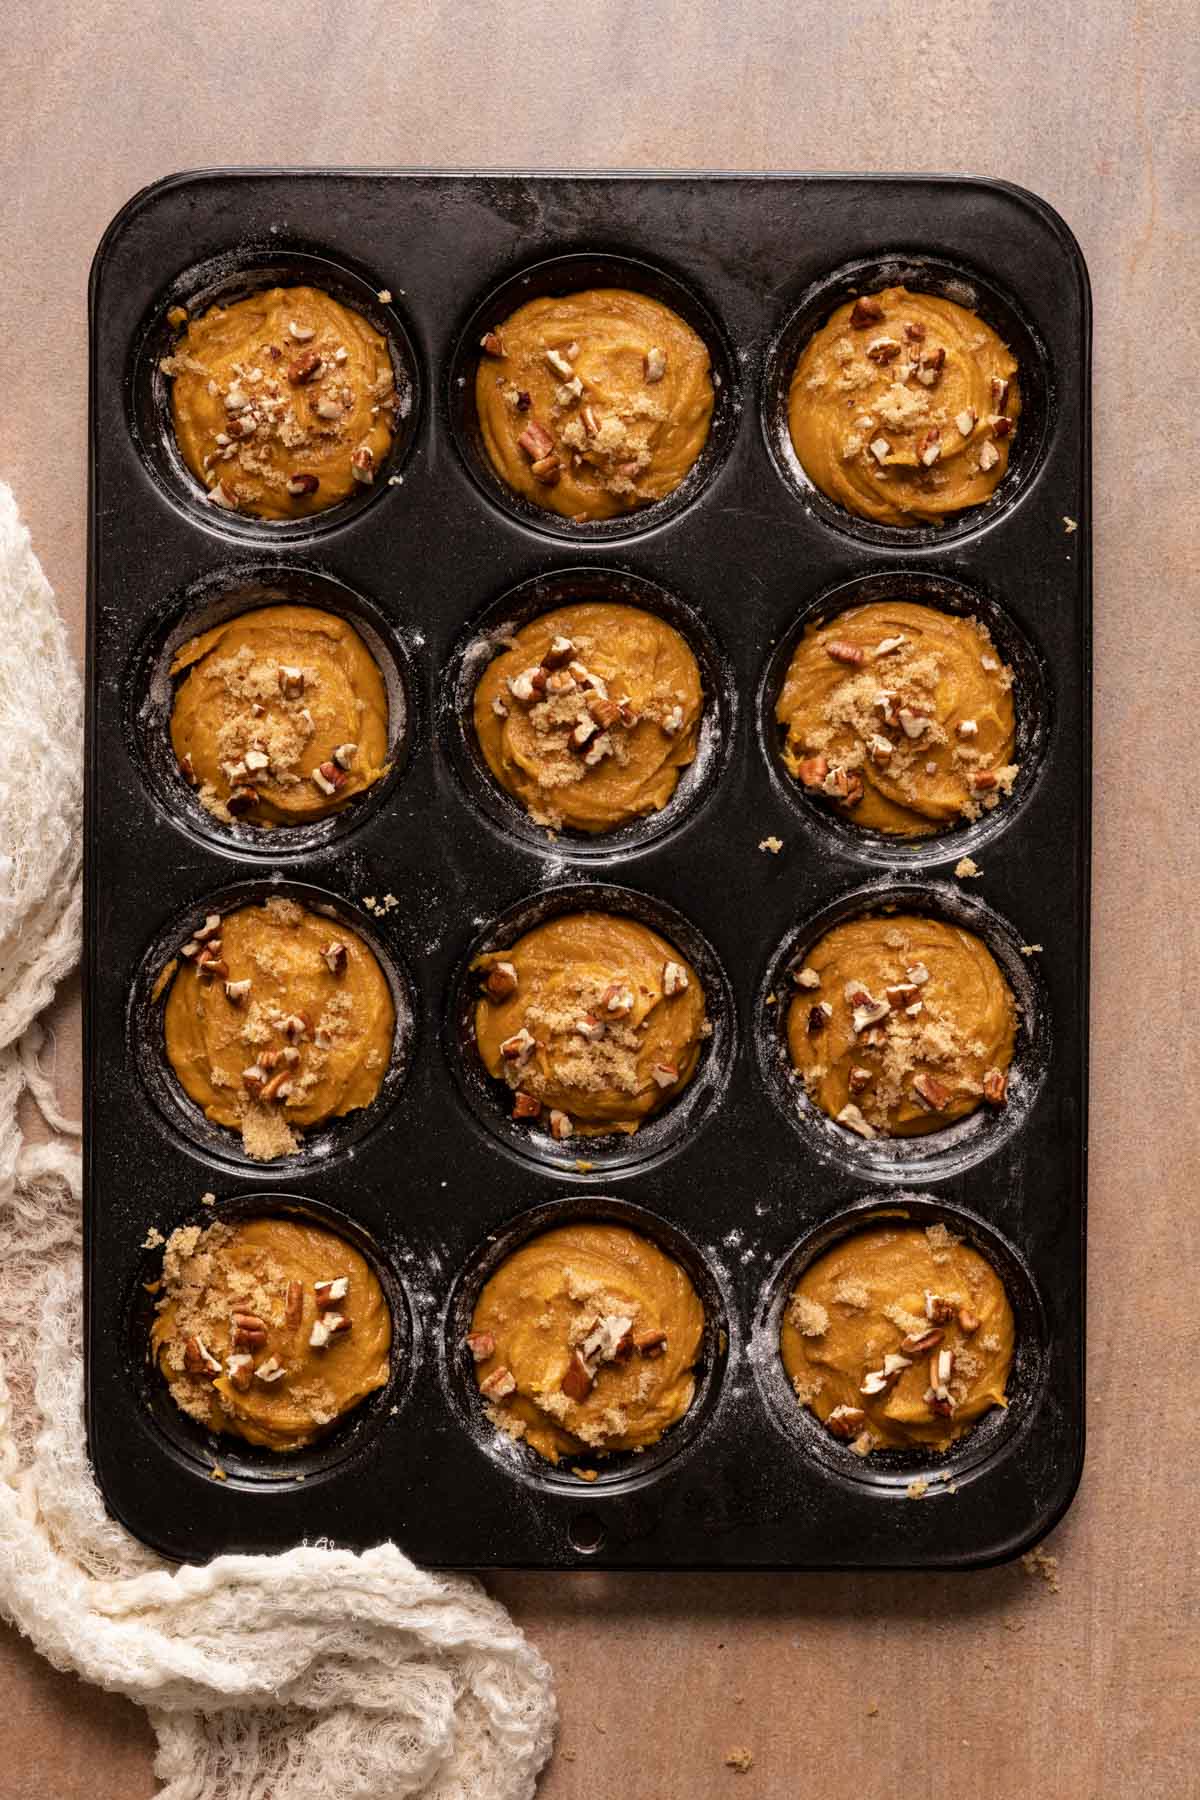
846	1421
561	1127
536	441
501	982
306	368
577	1382
650	1342
293	1304
933	1094
492	343
335	956
840	651
198	1359
813	770
819	1016
995	1087
865	311
499	1384
481	1344
525	1106
968	1322
917	1342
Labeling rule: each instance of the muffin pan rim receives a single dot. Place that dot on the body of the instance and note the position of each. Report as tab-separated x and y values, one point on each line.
491	310
922	1156
199	606
256	1468
611	1155
218	1145
148	390
808	314
1033	704
621	1472
505	814
887	1473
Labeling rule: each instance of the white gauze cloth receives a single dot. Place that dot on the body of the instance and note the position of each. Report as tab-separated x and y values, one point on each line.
315	1675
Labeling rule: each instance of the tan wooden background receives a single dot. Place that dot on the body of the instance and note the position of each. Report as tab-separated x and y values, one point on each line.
982	1686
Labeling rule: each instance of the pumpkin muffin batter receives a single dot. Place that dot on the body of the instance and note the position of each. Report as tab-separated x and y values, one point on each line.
585	1340
283	403
282	716
592	404
594	1021
903	406
901	716
899	1338
269	1329
589	714
276	1020
901	1024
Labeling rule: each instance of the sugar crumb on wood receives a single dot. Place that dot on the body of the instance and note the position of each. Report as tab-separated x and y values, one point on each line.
739	1759
1039	1563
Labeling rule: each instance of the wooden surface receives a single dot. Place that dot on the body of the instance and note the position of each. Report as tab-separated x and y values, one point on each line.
987	1685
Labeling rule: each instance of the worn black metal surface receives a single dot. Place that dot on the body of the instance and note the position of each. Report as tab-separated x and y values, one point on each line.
741	1179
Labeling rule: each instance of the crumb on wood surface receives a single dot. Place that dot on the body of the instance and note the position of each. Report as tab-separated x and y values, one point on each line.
739	1758
1039	1562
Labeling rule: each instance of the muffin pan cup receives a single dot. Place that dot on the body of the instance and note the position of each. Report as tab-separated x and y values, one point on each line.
425	1187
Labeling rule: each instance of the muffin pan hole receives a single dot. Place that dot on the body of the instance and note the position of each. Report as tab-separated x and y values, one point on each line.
548	593
1031	703
889	1472
150	691
966	287
570	274
223	281
619	1472
183	1118
190	1443
489	1102
956	1146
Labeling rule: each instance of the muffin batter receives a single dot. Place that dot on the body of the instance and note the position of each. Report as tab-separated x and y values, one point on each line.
282	717
283	403
269	1329
589	714
901	1024
903	406
592	404
899	1339
585	1340
593	1020
276	1020
900	716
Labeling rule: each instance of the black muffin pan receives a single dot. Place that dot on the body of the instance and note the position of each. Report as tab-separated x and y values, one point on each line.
740	1178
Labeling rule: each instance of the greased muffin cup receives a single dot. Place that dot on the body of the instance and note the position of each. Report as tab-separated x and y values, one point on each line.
735	1177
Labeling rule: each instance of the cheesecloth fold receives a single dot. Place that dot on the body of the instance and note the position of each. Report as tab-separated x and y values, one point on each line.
316	1673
